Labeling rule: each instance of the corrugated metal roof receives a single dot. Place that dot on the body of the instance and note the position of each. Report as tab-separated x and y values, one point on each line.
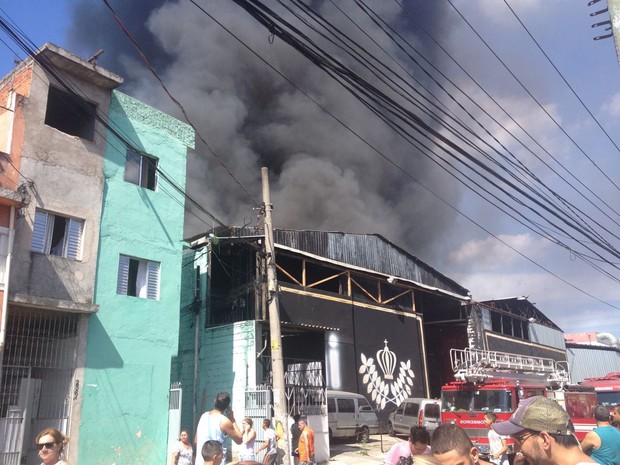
369	251
587	361
546	336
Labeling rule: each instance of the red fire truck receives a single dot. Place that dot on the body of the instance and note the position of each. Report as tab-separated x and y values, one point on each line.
607	388
489	381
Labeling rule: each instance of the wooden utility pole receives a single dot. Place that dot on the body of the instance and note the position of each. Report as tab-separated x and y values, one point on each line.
277	363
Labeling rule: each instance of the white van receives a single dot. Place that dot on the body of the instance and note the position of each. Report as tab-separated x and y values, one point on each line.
350	416
415	411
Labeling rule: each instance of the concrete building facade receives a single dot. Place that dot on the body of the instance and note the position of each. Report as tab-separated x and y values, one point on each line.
352	309
57	147
134	335
92	191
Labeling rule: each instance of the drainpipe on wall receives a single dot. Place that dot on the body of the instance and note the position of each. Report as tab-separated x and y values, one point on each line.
7	274
197	297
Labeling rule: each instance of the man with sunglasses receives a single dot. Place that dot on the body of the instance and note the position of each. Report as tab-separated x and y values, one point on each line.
543	432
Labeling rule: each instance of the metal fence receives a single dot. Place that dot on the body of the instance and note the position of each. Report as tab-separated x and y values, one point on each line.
36	379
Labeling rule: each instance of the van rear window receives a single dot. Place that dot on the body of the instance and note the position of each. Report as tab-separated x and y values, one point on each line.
432	411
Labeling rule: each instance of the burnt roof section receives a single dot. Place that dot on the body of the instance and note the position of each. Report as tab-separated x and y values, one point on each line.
369	251
521	306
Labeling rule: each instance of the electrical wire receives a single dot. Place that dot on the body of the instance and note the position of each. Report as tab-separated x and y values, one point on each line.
178	104
272	30
75	91
452	129
558	125
291	35
574	93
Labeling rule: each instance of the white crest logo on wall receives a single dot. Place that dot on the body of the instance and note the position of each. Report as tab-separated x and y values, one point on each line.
384	389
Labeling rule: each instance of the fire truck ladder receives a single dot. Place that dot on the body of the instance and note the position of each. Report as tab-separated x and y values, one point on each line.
475	366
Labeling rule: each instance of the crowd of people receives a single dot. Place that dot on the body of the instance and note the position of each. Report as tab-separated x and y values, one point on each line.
219	423
540	429
542	432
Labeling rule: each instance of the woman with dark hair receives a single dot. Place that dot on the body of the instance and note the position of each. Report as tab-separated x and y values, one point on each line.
51	444
183	454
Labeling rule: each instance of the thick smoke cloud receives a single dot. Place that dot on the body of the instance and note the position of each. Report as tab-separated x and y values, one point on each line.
322	176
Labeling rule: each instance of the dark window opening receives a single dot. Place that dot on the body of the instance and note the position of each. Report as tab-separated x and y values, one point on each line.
57	244
293	268
133	277
234	292
365	289
70	114
496	322
396	296
517	327
141	170
328	276
507	325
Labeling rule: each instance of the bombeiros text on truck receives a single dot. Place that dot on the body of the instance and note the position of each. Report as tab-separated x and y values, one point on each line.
490	381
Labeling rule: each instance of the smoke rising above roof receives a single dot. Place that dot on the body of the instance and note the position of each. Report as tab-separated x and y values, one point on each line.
322	176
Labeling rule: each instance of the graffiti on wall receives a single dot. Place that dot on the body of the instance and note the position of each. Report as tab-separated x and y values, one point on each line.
382	384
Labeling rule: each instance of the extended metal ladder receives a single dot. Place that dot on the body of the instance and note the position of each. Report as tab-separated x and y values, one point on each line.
474	365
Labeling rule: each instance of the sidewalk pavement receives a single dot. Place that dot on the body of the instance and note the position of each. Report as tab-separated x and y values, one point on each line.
371	453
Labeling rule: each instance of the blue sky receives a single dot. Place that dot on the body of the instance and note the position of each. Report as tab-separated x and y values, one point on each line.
462	251
42	21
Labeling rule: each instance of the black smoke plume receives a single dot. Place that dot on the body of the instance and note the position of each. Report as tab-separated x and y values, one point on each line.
322	176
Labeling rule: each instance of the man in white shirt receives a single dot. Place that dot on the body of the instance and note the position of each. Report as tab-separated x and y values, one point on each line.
498	449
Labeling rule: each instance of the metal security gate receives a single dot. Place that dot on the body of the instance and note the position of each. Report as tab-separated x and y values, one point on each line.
305	395
304	382
305	388
175	402
259	405
36	387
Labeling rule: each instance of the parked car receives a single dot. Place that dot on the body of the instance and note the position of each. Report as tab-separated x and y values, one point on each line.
350	416
415	411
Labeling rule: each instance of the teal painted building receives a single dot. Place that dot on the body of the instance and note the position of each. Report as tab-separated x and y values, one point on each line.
134	337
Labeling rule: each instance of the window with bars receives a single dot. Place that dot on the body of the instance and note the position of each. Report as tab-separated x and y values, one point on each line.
57	235
138	278
141	170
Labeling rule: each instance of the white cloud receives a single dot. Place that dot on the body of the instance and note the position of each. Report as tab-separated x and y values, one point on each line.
612	106
492	254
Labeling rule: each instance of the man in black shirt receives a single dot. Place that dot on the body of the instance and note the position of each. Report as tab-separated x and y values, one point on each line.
295	433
